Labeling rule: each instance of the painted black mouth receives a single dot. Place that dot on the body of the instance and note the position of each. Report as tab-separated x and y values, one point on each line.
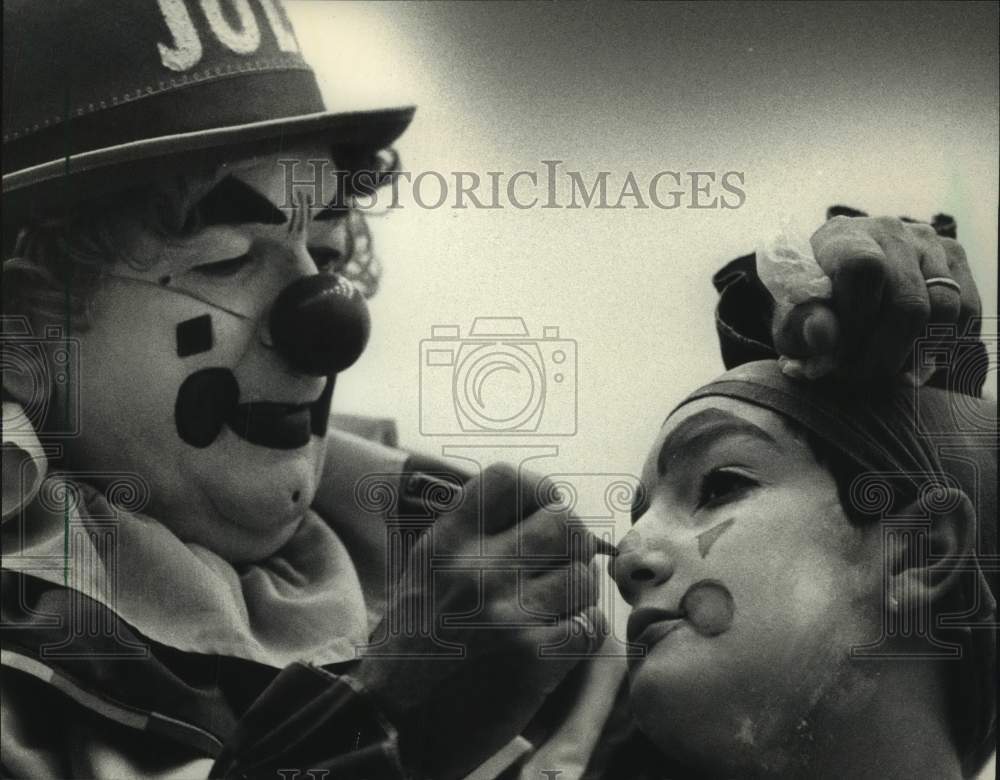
281	426
208	400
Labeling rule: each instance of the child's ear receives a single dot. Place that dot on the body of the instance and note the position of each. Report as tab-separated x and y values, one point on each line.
922	573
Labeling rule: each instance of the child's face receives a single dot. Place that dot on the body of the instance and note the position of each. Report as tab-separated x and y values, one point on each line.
202	303
748	586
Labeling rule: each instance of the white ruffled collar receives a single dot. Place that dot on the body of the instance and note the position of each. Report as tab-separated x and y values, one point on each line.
303	603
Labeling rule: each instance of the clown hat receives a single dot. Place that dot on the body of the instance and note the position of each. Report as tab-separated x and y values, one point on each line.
99	92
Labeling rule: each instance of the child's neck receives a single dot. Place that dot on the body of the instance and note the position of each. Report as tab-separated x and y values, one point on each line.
900	730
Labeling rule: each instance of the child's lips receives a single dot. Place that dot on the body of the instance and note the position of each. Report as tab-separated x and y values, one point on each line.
648	625
707	607
655	632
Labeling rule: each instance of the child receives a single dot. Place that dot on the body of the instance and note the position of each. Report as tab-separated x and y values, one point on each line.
808	577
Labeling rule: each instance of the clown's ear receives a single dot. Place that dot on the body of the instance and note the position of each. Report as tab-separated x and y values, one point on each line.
22	387
24	461
925	568
26	367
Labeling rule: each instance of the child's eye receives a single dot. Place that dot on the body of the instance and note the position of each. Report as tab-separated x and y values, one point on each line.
223	268
722	485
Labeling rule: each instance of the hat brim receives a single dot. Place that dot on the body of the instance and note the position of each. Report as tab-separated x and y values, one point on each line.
104	170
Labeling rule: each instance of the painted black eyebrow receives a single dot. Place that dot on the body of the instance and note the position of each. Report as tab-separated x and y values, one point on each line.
701	430
640	503
233	202
331	211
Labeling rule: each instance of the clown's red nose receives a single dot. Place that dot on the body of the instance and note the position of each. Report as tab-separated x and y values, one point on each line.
320	324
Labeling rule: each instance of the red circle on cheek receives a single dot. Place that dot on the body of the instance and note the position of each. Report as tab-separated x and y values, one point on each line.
709	607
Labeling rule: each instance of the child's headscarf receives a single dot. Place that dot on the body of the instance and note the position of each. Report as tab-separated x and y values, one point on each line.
922	437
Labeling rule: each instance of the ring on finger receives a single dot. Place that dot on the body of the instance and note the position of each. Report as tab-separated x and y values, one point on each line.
943	281
584	623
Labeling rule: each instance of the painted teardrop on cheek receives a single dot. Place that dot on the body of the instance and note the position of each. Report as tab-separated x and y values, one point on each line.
711	536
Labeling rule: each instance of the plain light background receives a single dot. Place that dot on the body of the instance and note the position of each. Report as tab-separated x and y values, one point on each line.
888	107
891	108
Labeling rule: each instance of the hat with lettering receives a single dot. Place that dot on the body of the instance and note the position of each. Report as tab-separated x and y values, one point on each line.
98	90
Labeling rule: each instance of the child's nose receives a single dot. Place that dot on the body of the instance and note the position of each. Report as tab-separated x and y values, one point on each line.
642	563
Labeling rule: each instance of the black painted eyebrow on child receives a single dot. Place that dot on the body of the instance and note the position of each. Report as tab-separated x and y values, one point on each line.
233	202
699	431
640	503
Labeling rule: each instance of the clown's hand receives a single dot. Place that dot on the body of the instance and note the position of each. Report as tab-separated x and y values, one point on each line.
859	308
471	645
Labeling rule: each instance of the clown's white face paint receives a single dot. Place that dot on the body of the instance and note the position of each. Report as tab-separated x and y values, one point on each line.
238	497
747	583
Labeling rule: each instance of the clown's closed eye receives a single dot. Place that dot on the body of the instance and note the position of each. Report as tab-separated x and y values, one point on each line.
224	268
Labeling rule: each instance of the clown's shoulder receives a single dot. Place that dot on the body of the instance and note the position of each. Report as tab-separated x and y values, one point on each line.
102	680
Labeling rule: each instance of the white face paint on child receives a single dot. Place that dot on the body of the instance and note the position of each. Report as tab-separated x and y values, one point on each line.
748	584
202	306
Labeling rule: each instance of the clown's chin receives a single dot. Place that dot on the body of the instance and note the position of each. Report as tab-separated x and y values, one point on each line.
255	546
258	494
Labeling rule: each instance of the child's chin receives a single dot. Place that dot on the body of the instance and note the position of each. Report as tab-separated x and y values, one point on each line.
692	735
668	692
